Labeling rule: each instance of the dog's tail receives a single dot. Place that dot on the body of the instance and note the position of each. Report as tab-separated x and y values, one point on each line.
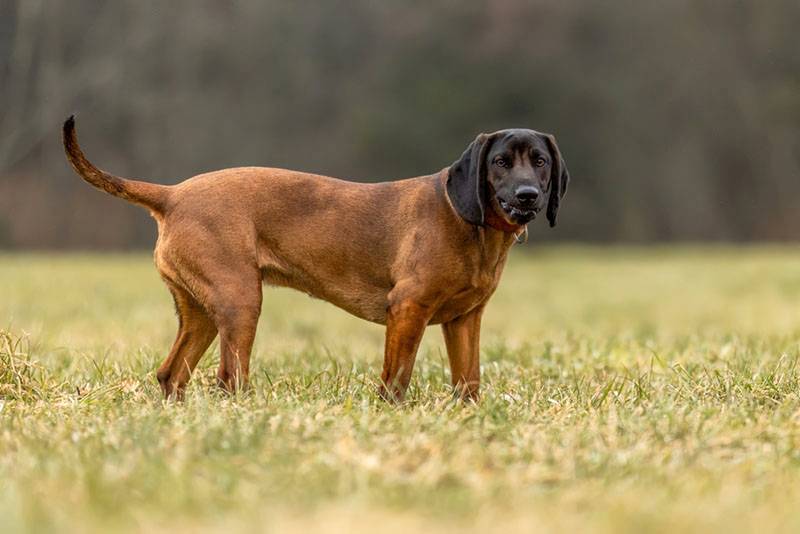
152	196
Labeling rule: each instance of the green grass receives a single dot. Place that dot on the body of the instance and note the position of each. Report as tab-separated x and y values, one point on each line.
625	390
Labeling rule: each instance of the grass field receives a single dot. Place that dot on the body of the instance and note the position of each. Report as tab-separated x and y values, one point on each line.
625	390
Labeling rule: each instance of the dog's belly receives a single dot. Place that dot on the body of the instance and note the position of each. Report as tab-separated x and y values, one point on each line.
368	300
358	297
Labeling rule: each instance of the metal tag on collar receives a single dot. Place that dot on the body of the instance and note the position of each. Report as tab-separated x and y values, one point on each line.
522	236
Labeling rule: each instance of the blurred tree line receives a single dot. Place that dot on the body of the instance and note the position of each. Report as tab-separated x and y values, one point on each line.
679	120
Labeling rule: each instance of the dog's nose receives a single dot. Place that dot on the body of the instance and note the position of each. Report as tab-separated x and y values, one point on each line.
527	194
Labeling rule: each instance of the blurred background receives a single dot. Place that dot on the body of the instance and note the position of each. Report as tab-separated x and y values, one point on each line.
679	120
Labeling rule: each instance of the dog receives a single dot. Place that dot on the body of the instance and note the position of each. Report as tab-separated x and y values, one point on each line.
405	254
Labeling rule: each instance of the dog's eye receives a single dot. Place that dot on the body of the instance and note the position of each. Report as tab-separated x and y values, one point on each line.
540	162
501	162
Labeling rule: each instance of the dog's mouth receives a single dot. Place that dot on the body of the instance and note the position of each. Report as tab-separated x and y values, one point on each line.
518	214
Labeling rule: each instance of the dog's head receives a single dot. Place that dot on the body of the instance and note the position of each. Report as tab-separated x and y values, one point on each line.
514	172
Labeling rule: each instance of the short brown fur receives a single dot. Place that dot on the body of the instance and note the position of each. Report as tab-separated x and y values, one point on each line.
394	253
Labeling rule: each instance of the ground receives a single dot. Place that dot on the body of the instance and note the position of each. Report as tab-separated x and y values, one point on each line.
625	390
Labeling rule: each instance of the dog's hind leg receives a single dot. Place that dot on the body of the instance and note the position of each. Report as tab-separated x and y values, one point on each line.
196	331
235	308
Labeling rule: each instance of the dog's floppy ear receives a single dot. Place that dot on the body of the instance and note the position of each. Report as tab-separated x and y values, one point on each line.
559	178
466	181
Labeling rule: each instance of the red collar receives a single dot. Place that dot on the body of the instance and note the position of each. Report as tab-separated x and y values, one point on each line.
493	220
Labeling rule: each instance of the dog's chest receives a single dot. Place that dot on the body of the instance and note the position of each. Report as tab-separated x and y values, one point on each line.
467	296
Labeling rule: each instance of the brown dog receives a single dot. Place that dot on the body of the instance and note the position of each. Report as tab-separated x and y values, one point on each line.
420	251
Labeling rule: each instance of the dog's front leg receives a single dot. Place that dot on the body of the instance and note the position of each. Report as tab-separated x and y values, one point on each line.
462	338
405	324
